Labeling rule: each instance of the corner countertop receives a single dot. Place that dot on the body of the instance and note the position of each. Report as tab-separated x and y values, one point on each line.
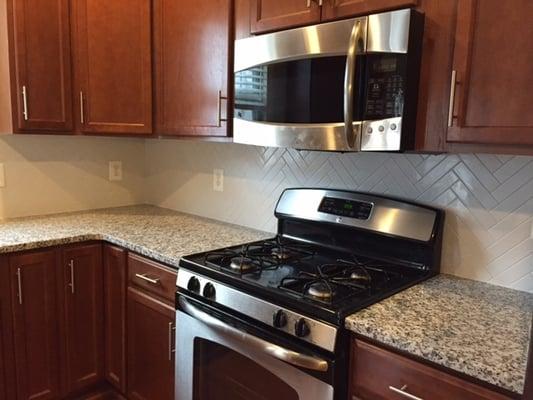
471	327
161	234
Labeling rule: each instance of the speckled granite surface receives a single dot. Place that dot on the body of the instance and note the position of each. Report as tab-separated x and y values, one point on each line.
159	233
475	328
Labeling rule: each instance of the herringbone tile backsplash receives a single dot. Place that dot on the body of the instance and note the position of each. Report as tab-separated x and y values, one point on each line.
488	198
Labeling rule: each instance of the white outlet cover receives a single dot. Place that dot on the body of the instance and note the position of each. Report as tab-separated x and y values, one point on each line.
115	170
218	180
2	176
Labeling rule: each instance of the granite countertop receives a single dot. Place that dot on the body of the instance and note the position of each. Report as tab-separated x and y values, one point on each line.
474	328
158	233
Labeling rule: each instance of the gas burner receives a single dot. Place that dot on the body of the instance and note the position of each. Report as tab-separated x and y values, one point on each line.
243	264
320	290
360	276
283	253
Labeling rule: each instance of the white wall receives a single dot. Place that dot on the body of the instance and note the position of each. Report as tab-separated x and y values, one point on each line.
488	198
50	174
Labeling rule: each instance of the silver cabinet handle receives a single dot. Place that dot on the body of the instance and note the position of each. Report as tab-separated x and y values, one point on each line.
19	279
402	392
170	349
349	83
308	3
82	109
153	281
220	98
25	113
291	357
320	3
452	98
71	284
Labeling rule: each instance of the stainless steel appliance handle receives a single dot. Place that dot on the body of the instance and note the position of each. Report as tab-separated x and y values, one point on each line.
19	281
291	357
71	284
402	392
25	113
153	281
350	84
452	98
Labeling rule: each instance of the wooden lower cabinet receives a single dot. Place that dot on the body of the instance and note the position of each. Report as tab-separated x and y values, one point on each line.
36	319
150	347
82	288
7	363
115	285
378	374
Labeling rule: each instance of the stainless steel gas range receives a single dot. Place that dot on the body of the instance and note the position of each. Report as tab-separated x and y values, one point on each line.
265	320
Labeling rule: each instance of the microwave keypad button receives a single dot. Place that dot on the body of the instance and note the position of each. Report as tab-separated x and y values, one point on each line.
393	127
381	128
369	130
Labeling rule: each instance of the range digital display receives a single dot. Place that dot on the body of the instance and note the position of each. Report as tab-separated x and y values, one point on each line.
345	208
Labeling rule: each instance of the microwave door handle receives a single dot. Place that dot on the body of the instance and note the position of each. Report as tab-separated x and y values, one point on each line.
281	353
350	85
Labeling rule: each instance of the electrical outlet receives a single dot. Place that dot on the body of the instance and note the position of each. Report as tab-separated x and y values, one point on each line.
2	176
218	180
115	170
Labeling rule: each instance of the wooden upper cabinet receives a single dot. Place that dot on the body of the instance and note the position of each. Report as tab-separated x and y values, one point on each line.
493	61
82	287
35	324
333	9
41	65
113	66
272	15
192	42
115	281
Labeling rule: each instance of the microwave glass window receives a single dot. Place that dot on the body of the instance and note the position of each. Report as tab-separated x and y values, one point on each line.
299	92
221	374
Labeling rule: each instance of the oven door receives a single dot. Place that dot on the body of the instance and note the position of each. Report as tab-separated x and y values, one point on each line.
219	357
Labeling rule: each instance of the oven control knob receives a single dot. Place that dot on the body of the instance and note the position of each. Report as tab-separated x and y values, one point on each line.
209	291
301	329
279	319
194	284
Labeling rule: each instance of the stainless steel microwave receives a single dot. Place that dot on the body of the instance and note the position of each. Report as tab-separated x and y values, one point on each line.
342	86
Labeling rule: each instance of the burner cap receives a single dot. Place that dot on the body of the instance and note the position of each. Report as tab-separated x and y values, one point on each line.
320	290
242	264
360	276
282	253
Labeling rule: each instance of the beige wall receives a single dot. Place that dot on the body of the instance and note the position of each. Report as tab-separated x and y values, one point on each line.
49	174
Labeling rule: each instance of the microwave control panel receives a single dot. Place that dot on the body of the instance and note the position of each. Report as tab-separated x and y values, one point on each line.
385	86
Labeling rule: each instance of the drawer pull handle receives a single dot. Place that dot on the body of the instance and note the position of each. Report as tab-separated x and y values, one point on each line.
403	393
144	277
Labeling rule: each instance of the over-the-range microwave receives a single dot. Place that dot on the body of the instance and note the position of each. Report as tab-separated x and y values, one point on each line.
350	85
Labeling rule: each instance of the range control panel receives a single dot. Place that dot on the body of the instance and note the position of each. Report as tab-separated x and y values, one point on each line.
345	208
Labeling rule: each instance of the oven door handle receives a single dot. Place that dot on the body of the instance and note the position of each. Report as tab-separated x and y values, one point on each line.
350	86
291	357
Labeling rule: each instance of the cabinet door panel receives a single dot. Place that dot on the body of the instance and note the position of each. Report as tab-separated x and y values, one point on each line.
493	90
7	364
115	279
150	342
113	66
83	293
347	8
273	15
41	65
35	317
192	41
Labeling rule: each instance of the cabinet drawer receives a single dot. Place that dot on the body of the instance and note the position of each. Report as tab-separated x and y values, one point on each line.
378	374
151	277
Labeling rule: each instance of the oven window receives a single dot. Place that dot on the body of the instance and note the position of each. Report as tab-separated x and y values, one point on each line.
222	374
300	91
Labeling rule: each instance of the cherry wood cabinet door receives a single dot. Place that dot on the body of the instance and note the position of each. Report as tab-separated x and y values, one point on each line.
347	8
192	50
36	324
41	65
82	288
7	363
491	83
113	66
150	348
274	15
115	280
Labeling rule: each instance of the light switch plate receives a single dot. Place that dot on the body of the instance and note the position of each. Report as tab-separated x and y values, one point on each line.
2	176
218	180
115	170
